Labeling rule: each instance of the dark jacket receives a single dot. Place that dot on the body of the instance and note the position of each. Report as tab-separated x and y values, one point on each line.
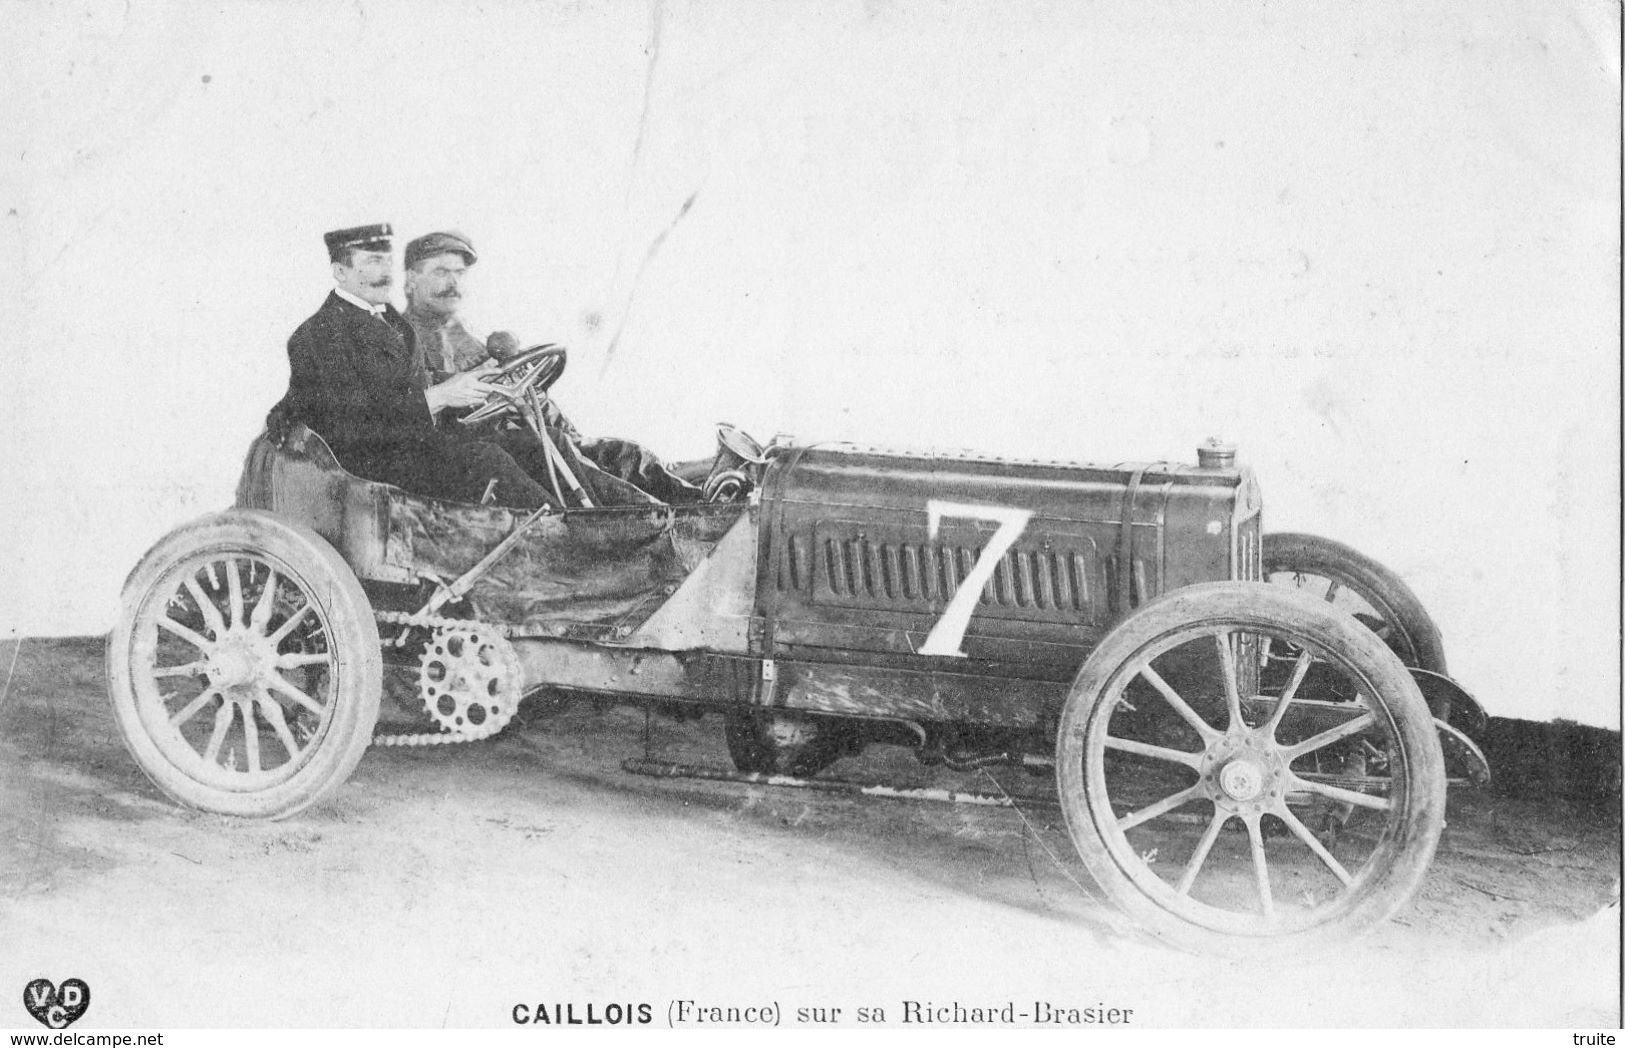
358	380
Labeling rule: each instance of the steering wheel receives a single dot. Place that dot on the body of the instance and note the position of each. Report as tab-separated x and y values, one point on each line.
531	370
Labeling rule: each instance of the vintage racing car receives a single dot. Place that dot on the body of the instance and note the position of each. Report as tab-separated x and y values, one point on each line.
1234	758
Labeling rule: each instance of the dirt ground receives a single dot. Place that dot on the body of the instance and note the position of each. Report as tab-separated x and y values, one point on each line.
445	885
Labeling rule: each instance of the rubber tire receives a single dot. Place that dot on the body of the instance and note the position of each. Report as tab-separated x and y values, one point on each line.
1409	841
358	665
1420	644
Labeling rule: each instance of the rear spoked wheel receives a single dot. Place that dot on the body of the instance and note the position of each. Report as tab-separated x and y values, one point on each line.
245	669
1216	804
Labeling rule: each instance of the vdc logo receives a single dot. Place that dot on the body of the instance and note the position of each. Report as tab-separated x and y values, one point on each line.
56	1006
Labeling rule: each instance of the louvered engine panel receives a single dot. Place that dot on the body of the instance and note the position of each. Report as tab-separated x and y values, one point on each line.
1058	577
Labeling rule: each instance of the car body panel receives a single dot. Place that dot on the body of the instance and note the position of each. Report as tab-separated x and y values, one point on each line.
590	574
827	593
850	567
303	481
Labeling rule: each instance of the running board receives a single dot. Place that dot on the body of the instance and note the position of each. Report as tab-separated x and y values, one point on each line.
673	770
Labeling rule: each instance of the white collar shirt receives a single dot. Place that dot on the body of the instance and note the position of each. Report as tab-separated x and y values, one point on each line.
359	303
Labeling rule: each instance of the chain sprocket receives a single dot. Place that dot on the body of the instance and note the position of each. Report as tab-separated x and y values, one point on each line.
469	677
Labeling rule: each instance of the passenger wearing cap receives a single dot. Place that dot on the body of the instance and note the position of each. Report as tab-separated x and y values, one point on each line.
357	377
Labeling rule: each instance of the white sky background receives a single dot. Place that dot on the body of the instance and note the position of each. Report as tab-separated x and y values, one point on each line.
1375	245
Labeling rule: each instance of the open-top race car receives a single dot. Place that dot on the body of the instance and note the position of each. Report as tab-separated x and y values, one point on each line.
1233	757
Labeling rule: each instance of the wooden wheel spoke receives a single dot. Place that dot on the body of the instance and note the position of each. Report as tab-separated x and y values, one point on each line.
1296	826
187	712
234	592
282	684
185	633
261	615
1161	753
1261	868
1354	797
1299	670
251	738
293	660
271	710
205	606
1199	856
222	724
1180	706
190	669
1227	667
286	628
1352	726
1162	807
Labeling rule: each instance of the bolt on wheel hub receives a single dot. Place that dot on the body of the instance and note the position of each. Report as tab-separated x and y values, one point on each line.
232	665
1241	780
1243	773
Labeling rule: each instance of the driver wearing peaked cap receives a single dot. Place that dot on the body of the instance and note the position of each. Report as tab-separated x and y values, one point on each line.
430	244
356	377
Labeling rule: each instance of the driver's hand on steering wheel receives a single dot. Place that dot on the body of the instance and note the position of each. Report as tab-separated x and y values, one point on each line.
467	389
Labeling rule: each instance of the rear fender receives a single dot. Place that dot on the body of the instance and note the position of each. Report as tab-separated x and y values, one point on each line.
1451	703
303	481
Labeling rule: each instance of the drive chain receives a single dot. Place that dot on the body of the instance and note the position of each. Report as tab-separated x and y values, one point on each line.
432	622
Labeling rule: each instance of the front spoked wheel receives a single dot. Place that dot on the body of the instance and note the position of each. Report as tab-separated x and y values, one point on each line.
1214	803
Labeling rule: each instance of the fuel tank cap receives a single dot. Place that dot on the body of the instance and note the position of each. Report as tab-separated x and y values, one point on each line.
1214	453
